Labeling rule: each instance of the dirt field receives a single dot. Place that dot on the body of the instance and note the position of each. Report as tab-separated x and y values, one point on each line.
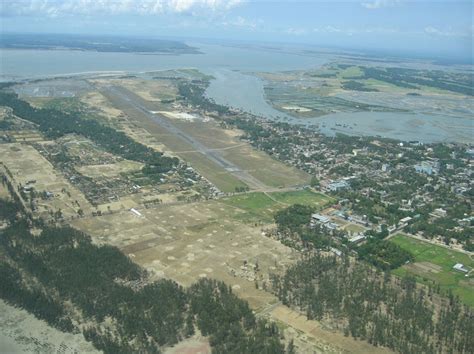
353	228
151	90
29	136
109	170
4	194
22	332
95	100
193	345
424	267
26	164
187	242
313	335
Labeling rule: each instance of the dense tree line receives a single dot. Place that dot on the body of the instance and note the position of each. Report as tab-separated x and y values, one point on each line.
385	255
295	229
410	78
368	304
294	217
229	321
193	92
96	43
14	290
9	210
66	280
55	123
356	86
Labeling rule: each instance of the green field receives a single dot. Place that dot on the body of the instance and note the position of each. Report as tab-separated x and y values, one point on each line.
301	197
260	207
435	263
350	72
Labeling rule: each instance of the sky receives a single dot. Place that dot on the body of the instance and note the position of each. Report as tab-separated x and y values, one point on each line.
424	27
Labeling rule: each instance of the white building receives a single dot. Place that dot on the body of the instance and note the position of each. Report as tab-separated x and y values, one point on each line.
356	238
460	267
320	218
405	220
136	212
338	185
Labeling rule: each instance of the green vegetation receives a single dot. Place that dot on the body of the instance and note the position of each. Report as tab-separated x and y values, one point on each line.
56	123
295	230
195	74
66	104
447	227
256	206
223	179
384	254
8	210
194	94
415	79
356	86
95	43
437	267
305	197
294	217
322	94
367	304
63	278
349	71
260	207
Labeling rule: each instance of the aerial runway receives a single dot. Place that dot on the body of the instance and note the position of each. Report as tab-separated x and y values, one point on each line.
139	105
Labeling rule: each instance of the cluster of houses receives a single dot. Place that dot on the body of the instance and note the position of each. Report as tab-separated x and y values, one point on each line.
379	171
327	223
428	167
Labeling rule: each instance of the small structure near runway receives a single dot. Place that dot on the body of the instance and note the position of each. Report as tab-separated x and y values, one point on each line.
136	212
460	267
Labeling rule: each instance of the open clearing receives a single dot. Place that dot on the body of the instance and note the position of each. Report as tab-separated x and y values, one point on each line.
151	90
260	207
435	263
266	169
22	332
26	164
317	336
218	154
354	228
186	242
109	170
194	345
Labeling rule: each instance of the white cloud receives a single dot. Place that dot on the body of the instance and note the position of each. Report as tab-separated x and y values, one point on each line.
449	32
377	4
296	31
242	22
54	8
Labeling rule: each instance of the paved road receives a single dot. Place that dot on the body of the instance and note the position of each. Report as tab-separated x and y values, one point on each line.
129	98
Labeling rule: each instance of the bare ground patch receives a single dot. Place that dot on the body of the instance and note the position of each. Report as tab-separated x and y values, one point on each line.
326	341
424	267
22	332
